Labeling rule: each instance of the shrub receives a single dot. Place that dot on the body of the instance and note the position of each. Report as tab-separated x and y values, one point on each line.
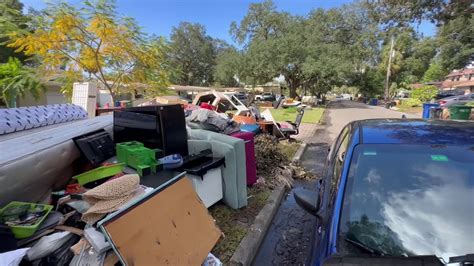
411	102
425	93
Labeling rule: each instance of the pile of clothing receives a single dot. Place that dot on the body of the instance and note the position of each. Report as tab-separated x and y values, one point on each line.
206	119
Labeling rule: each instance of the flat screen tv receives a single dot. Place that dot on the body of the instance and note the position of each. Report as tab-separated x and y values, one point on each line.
158	126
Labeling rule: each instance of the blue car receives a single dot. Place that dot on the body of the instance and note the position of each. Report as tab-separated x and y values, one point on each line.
395	192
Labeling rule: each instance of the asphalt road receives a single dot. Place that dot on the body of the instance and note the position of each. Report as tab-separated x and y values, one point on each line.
288	240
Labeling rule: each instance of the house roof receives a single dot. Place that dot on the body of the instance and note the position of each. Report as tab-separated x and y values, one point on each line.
465	84
461	72
199	88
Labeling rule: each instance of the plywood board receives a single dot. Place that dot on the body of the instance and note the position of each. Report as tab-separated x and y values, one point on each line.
170	227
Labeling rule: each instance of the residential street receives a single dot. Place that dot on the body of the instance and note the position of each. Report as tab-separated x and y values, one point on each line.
288	240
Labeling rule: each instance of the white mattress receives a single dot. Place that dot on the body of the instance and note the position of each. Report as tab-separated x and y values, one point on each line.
17	145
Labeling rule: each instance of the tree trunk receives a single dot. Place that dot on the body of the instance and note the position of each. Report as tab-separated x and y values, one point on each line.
11	103
112	93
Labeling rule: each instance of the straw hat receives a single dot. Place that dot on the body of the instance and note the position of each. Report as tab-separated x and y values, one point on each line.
109	196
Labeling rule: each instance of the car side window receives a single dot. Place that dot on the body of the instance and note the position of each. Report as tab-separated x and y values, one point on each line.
338	164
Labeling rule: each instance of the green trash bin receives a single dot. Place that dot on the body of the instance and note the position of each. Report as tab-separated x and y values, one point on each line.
460	112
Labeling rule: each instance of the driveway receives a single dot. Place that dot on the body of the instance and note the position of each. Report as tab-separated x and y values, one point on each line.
288	240
342	112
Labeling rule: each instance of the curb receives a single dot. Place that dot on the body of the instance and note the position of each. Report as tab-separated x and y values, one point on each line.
299	153
249	245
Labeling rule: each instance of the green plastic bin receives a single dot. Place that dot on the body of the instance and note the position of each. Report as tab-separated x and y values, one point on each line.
99	173
460	112
26	231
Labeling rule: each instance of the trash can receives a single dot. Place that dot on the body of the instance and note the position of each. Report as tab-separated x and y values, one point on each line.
251	166
460	112
374	101
426	109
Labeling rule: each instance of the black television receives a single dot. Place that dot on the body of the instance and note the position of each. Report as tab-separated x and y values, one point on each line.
156	126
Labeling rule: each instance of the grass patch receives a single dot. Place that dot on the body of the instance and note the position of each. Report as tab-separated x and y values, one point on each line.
311	116
410	109
235	223
288	148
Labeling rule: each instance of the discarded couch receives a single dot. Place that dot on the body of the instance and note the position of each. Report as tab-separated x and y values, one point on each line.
234	172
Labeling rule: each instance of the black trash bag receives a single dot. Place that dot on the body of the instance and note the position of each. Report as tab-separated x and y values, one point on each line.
61	256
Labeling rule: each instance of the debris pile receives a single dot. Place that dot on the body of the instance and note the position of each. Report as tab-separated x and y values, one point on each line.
272	166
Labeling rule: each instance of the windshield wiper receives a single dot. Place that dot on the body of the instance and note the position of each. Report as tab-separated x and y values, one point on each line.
363	246
462	259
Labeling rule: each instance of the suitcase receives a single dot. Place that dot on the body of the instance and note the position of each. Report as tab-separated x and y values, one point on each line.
251	166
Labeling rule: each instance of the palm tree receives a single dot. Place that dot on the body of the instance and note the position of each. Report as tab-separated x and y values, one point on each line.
17	80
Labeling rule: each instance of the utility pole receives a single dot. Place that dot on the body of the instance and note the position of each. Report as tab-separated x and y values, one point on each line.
387	78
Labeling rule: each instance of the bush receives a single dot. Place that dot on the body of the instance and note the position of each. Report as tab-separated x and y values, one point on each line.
425	93
411	102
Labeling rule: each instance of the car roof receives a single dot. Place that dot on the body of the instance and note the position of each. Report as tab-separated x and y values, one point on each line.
415	131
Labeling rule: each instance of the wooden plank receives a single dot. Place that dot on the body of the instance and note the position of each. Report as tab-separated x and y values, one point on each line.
170	227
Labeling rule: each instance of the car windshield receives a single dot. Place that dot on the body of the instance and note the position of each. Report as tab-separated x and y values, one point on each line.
407	200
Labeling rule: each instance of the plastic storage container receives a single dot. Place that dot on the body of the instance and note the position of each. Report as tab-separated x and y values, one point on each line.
427	109
253	128
99	173
460	112
249	156
26	231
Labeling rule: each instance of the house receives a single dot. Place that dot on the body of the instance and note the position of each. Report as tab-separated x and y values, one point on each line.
419	85
273	87
52	95
462	79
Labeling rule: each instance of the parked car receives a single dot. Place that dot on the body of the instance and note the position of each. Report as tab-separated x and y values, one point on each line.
268	97
449	93
242	96
400	190
461	99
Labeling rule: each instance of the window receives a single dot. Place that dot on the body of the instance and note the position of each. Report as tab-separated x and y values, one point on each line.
407	200
339	162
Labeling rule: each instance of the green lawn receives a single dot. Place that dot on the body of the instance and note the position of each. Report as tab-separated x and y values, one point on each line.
311	116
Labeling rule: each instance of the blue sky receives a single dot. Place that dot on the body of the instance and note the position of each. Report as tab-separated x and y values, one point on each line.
159	16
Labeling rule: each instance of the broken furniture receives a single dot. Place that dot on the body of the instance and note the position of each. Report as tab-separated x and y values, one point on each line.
221	102
294	129
137	156
234	171
289	102
250	165
205	173
154	231
267	115
43	157
266	126
244	119
156	126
